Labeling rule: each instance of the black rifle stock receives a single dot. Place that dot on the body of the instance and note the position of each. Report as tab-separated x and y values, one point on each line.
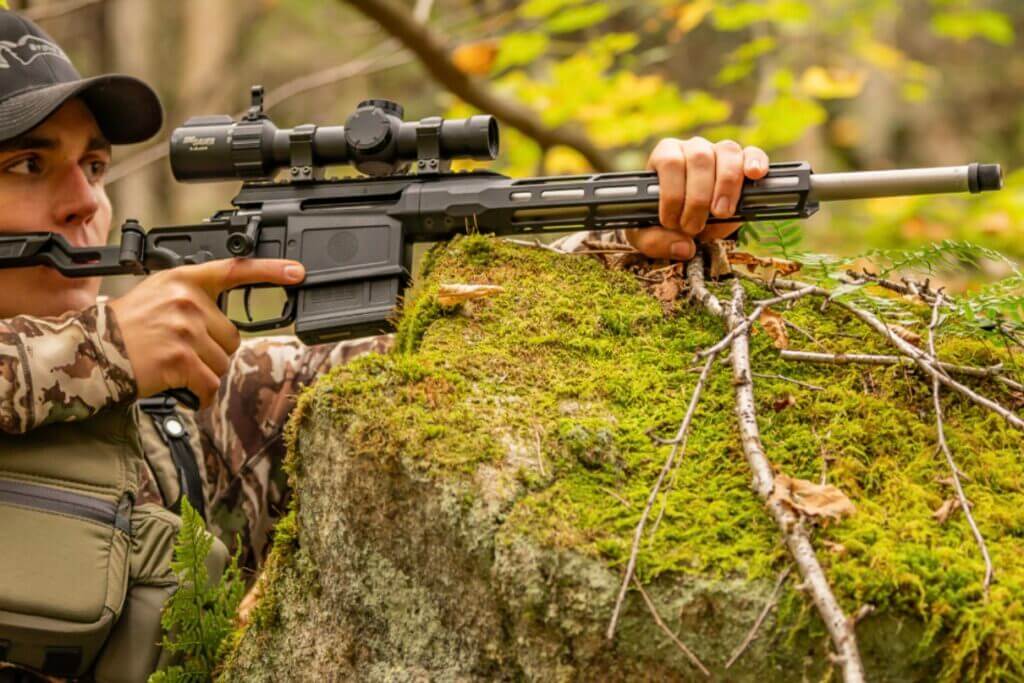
355	236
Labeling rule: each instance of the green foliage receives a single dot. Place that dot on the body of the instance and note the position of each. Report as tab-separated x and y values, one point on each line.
199	617
964	24
932	257
779	238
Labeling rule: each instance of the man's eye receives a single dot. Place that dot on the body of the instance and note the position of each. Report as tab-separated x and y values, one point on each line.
95	169
30	166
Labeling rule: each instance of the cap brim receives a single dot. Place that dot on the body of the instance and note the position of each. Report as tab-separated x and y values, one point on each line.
126	109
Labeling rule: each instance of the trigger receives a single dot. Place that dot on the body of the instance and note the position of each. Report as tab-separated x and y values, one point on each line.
245	303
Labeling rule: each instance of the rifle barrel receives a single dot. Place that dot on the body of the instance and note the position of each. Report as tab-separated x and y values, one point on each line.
939	180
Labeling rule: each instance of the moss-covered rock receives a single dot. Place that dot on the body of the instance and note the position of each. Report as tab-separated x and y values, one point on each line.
465	506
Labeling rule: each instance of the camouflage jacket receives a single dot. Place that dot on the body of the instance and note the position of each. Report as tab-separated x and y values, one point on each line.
74	366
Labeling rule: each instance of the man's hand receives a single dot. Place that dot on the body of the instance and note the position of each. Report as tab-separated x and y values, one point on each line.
696	178
175	334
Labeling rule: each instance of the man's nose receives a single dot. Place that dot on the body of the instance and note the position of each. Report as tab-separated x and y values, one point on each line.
76	198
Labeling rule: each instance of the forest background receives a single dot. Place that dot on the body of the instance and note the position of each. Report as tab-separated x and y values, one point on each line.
844	84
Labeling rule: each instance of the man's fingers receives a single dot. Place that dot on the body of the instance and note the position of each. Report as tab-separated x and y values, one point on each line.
662	243
728	178
717	231
669	162
212	355
755	162
224	274
700	183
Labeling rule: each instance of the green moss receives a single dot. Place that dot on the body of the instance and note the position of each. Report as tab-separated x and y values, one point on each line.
581	363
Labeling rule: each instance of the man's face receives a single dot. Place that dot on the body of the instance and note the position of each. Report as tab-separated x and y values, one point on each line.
51	180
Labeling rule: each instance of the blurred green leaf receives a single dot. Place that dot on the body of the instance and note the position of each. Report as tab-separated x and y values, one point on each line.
964	24
520	48
576	18
740	15
540	9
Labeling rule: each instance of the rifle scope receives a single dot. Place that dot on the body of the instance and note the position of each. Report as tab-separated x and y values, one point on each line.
375	140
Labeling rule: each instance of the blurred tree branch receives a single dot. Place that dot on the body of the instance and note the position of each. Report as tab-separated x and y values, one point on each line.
387	59
57	9
396	20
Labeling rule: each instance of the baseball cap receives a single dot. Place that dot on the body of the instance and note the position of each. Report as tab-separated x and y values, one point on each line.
36	78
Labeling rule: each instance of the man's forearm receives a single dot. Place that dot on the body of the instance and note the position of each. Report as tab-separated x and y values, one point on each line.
61	369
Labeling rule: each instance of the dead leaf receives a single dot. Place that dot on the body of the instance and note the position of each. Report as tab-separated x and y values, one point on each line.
452	294
763	268
945	510
833	547
906	335
720	250
783	402
667	291
475	59
814	500
775	327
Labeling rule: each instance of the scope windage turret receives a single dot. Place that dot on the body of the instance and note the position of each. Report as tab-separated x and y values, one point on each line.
375	140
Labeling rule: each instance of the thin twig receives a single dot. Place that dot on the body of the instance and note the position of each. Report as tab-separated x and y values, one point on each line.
765	375
921	358
941	432
752	318
616	496
675	639
678	445
760	618
992	372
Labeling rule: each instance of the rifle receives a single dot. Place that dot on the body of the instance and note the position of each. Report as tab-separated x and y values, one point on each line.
355	236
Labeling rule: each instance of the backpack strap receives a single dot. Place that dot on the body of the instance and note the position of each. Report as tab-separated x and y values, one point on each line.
162	409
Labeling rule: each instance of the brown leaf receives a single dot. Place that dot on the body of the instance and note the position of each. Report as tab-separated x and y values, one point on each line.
761	267
815	500
833	547
947	508
775	327
667	291
720	250
783	402
475	59
906	335
452	294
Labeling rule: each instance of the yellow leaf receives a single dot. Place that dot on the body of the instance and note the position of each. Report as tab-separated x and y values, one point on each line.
906	335
691	14
475	59
815	500
452	294
832	83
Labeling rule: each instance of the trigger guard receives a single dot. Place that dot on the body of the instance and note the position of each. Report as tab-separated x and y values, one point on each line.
286	318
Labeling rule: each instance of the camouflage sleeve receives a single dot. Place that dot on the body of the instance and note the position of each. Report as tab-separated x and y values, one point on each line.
61	369
578	241
241	433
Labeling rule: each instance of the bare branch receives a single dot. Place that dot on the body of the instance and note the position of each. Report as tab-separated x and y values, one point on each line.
334	74
661	624
941	433
57	9
797	539
806	385
920	357
992	372
433	55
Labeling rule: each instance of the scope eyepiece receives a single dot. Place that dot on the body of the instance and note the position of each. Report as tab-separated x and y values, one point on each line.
374	139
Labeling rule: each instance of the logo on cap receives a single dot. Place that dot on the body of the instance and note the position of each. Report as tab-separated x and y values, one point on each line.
27	49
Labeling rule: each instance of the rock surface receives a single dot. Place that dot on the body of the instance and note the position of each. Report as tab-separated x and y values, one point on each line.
465	505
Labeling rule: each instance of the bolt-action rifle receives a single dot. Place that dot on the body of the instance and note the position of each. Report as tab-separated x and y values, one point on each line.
355	236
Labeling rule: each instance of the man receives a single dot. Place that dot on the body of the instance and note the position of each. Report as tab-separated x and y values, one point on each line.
66	356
